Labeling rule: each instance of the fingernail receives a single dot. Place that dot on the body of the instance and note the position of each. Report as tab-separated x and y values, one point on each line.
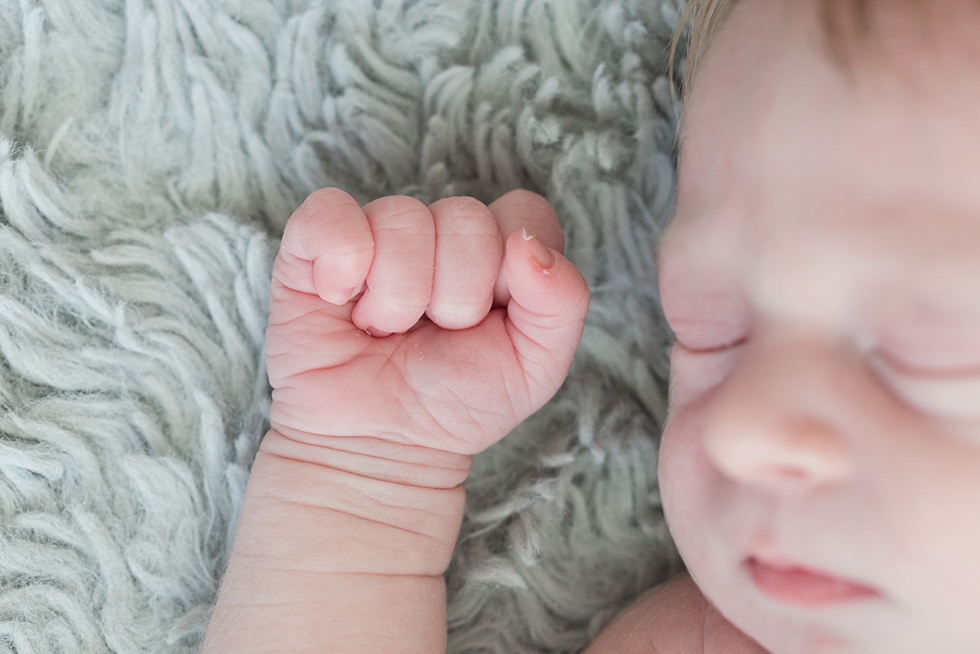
541	254
341	298
374	332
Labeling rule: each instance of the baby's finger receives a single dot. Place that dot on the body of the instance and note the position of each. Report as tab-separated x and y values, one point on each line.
399	284
522	209
529	211
547	309
468	252
330	231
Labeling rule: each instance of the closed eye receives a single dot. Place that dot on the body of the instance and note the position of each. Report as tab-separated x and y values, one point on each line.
952	394
714	349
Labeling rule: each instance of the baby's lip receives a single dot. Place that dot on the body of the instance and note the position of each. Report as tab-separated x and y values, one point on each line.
799	586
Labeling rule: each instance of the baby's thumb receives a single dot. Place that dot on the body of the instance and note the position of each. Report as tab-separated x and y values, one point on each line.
546	312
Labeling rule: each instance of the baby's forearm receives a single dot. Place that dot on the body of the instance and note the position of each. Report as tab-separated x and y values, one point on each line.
288	611
340	550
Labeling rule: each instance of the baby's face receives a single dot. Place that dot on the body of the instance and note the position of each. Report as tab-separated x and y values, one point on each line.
821	466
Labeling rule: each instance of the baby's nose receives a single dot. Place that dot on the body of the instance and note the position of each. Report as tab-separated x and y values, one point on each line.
772	421
800	450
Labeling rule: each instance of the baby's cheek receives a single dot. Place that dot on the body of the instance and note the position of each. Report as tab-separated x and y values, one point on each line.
696	497
684	475
694	373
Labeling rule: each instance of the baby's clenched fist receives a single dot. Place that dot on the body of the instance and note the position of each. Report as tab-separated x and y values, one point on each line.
402	340
440	327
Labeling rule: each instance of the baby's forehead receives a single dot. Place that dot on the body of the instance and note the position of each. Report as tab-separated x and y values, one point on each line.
769	104
900	42
790	169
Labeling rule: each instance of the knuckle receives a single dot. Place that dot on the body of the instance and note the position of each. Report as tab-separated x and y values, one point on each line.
324	197
398	212
464	216
323	203
523	195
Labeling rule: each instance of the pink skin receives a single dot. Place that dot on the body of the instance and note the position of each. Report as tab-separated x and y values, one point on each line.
454	381
402	340
821	466
673	618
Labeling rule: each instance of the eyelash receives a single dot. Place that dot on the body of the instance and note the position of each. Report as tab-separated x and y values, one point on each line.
951	394
717	348
946	394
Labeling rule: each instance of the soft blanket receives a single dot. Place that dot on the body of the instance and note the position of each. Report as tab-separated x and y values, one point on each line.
150	154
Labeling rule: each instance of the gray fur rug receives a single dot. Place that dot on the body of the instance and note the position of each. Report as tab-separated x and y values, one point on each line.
150	154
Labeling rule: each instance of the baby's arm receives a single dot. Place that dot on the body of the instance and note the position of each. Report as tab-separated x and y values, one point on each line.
674	618
355	498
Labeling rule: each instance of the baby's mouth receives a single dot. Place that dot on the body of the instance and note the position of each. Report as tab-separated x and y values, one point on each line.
802	587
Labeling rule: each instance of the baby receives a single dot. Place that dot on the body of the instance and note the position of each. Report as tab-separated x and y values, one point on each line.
820	469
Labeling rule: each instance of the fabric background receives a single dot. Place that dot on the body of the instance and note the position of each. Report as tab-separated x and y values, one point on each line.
150	154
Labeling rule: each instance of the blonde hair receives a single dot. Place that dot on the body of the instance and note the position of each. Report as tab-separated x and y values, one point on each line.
704	16
841	20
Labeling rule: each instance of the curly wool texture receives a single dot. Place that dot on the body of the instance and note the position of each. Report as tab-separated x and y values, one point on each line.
150	154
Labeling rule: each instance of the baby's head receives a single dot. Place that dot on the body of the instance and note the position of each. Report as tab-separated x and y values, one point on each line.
821	466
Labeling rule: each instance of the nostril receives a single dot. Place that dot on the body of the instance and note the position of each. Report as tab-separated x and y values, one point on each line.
788	472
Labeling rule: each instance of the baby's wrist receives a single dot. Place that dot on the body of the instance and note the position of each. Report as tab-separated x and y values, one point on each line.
373	458
315	510
341	547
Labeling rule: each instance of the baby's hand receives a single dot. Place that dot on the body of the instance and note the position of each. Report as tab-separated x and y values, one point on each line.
440	327
355	497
